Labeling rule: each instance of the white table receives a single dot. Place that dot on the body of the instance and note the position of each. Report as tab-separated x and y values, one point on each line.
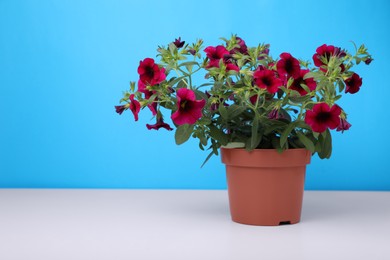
185	224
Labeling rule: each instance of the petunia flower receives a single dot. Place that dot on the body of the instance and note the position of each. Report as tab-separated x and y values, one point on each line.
159	124
142	88
135	107
150	73
353	83
120	109
231	66
189	110
192	51
216	53
253	99
368	61
266	79
322	117
326	51
215	106
344	125
309	82
243	49
178	43
274	114
288	65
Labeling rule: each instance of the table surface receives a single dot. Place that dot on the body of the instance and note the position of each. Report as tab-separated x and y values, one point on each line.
185	224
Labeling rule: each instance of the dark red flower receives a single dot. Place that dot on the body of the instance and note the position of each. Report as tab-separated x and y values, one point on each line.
142	88
309	82
216	53
160	123
288	65
353	83
120	109
325	52
232	66
274	114
150	73
192	51
264	52
266	79
253	99
189	110
322	117
135	107
344	125
368	61
243	49
178	43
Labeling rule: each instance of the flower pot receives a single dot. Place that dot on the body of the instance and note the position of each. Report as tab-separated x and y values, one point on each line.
265	187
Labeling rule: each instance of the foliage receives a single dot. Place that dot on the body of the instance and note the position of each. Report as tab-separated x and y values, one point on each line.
247	99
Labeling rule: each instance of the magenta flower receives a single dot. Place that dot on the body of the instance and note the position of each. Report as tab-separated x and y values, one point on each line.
326	51
243	49
322	117
264	53
135	107
159	124
309	82
232	66
344	125
288	65
142	88
120	109
353	83
215	106
150	73
216	53
266	79
189	110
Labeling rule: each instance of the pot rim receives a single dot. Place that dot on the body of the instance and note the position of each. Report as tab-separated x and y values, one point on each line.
265	157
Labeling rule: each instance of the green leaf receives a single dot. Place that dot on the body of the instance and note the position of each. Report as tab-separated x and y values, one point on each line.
256	137
286	133
176	80
325	140
302	124
202	139
234	145
207	158
341	85
218	135
299	99
182	84
276	143
234	110
310	75
223	111
188	63
132	86
306	141
183	133
172	48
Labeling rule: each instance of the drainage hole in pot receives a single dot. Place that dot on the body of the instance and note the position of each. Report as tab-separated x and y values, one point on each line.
284	223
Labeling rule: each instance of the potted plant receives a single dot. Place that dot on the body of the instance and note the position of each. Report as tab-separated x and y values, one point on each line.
266	116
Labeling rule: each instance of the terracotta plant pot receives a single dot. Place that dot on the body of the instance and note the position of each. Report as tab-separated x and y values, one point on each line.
265	187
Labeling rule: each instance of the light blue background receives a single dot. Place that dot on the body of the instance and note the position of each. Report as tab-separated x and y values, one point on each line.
64	65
